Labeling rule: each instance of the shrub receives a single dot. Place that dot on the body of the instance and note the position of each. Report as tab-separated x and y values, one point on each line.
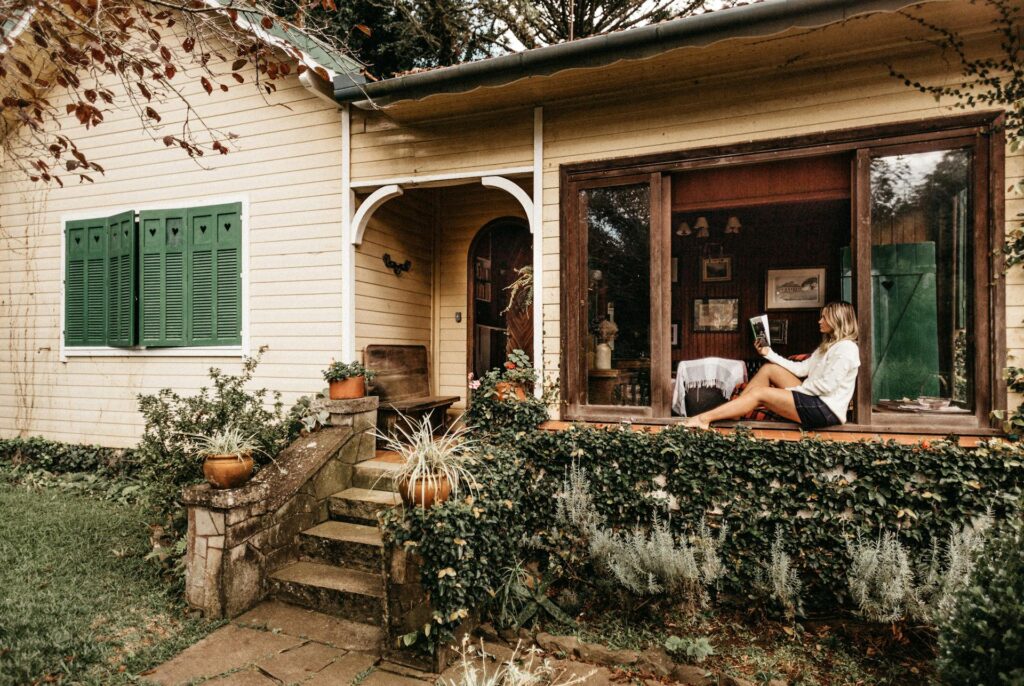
168	450
778	583
882	576
56	457
982	640
509	414
654	561
690	649
466	545
517	670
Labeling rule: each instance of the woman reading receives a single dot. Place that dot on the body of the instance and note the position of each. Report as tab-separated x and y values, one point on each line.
829	376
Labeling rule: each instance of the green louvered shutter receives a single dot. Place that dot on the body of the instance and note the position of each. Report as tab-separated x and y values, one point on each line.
215	258
163	278
96	282
121	258
75	295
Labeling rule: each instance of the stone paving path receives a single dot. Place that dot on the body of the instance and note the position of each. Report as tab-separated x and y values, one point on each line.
276	644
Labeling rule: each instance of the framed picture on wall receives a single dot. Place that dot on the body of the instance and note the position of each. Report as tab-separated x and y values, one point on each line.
675	270
675	335
794	289
716	315
716	269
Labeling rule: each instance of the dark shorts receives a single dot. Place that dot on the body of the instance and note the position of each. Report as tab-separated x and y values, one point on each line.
814	414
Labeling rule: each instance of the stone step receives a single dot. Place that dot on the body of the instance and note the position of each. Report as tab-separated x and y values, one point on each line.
376	475
361	505
343	544
352	594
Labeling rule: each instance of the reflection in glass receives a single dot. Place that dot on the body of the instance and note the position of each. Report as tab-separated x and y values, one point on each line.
921	281
617	337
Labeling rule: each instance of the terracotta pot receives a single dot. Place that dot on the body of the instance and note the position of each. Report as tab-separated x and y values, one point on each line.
425	493
227	471
352	387
503	389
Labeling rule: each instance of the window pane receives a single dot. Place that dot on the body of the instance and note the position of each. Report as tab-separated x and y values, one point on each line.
922	282
617	340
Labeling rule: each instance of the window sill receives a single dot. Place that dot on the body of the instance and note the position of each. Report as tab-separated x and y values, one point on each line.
199	351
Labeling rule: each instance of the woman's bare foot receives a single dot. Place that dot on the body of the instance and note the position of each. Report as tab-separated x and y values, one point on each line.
696	423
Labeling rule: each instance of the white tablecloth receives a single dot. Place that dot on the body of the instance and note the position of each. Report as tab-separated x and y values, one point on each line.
707	372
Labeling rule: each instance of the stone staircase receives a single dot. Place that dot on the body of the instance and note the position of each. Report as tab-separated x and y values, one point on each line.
340	567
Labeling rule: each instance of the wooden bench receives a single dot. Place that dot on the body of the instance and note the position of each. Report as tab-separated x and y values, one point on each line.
402	383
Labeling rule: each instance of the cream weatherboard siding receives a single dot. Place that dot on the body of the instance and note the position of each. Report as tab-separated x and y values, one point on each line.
287	174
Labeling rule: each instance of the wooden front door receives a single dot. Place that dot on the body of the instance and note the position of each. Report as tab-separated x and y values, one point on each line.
496	326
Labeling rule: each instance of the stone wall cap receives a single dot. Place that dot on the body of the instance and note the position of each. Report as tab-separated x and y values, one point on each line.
205	495
279	480
353	405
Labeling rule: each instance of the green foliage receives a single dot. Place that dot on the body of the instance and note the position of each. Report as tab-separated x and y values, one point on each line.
56	457
466	543
822	493
509	414
308	413
982	642
340	371
689	648
168	453
77	598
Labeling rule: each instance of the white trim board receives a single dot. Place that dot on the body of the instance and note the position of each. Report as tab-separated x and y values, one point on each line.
197	351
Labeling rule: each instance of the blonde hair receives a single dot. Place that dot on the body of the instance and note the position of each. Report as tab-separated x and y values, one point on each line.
841	316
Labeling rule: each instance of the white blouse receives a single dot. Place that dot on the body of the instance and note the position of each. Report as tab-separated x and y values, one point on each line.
831	375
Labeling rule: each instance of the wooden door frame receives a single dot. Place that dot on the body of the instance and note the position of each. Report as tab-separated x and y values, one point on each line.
471	279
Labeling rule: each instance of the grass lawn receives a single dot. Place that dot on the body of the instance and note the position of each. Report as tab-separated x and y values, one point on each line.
78	603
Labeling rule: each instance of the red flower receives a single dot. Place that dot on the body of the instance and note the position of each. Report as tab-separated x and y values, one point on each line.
510	365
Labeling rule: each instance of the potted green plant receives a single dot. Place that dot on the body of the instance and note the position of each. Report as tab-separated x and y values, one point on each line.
517	377
227	457
347	380
433	467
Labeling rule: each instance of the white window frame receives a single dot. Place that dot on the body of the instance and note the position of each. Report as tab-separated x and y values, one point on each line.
229	351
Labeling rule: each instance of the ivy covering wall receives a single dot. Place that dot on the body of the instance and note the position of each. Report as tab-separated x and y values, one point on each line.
819	494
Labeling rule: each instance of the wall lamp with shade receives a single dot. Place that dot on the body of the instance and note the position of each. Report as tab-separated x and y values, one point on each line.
703	228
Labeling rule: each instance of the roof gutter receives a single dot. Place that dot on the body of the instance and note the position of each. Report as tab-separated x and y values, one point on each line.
762	18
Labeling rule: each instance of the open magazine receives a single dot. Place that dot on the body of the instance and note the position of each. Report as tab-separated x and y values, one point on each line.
759	324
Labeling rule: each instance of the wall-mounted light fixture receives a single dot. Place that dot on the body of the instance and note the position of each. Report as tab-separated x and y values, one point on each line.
702	227
396	267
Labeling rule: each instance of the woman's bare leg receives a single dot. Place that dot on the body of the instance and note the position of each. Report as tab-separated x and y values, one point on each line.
778	400
772	375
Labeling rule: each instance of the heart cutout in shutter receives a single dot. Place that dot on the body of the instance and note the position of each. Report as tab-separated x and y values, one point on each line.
126	232
96	238
227	226
202	228
888	283
152	232
174	230
77	240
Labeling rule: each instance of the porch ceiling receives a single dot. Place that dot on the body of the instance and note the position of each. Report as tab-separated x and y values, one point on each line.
877	37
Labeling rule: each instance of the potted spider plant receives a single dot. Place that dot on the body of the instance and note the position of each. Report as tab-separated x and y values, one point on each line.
227	457
433	467
347	380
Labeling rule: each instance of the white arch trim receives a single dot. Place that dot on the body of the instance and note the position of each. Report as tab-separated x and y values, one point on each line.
368	207
515	191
